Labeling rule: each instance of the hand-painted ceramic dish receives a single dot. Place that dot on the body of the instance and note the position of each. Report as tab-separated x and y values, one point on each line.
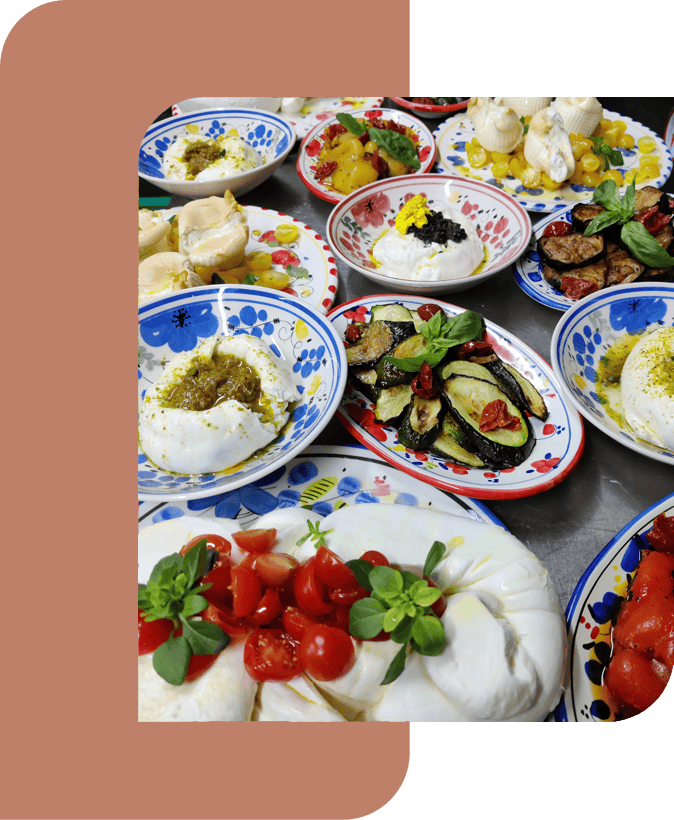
271	136
559	440
586	332
453	134
313	110
669	131
323	478
429	111
307	157
588	617
296	333
358	221
313	270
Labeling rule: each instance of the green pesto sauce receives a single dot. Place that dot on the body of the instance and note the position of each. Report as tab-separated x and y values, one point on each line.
209	382
199	156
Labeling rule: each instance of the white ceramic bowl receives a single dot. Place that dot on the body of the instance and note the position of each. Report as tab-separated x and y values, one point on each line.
430	112
584	334
271	136
360	219
307	157
295	332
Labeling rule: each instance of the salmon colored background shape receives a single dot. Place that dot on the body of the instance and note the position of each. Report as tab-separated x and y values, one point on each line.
79	84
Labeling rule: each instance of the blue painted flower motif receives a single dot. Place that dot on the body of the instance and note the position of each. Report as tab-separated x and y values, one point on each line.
634	315
253	497
604	609
167	513
181	329
149	164
632	554
253	323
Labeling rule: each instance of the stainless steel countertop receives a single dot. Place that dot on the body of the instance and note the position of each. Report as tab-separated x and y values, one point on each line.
569	524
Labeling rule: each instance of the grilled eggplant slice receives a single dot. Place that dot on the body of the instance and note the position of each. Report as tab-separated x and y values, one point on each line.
622	268
583	213
387	373
452	445
571	251
467	399
648	197
420	423
391	403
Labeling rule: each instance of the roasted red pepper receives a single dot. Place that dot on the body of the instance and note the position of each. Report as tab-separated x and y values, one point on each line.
661	536
324	170
652	219
576	288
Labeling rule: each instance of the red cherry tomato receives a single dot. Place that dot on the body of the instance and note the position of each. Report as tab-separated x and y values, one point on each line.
255	540
296	622
441	604
275	568
220	575
213	542
428	311
331	570
246	589
375	558
198	665
339	618
268	608
326	652
558	229
310	592
236	628
152	634
348	595
271	654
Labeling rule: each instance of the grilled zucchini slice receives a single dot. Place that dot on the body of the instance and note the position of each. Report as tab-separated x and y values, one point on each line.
420	423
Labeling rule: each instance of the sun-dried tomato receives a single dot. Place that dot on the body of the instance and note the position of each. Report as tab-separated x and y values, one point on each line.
380	166
424	384
661	536
392	125
423	100
652	219
377	122
558	229
496	414
324	170
576	288
472	348
428	311
353	332
334	130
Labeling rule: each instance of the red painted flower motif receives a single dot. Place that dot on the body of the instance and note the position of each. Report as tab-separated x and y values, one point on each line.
417	455
371	211
365	418
284	258
314	148
500	225
425	151
458	469
268	236
290	291
357	315
549	429
545	464
346	244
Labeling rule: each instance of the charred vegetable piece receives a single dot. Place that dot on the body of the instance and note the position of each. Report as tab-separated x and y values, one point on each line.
420	423
534	402
392	402
566	252
376	340
394	312
467	399
452	445
388	374
583	213
622	268
648	197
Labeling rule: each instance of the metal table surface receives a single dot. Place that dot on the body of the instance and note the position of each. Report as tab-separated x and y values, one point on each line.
569	524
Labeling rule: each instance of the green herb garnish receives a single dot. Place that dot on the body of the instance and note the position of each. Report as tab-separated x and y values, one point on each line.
400	604
525	125
296	272
441	333
641	244
602	149
172	593
250	279
397	145
315	534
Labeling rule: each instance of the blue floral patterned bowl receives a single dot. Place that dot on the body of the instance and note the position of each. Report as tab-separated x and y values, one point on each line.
271	136
295	332
586	332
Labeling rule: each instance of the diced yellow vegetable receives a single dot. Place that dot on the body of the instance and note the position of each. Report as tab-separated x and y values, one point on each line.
478	158
589	162
591	179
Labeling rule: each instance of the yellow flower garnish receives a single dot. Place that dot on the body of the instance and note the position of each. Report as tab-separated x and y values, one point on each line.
413	212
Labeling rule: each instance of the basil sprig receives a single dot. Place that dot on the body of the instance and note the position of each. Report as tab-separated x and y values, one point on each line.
172	593
316	534
397	145
400	604
602	149
441	333
641	244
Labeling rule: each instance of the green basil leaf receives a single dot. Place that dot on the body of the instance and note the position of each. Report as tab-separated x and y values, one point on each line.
361	569
171	659
435	555
603	221
645	247
409	579
204	637
193	605
396	666
629	200
393	618
250	279
366	618
428	635
386	582
195	562
396	145
165	569
427	596
351	124
403	632
606	194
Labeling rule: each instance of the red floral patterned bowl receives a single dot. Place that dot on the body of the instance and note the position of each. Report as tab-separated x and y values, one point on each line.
307	157
428	110
358	221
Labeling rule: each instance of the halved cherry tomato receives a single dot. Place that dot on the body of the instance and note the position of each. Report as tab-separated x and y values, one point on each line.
275	568
339	618
271	654
236	628
255	540
441	604
152	634
558	229
198	665
332	570
246	589
268	608
213	542
428	311
296	622
220	575
310	592
348	595
326	652
375	558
